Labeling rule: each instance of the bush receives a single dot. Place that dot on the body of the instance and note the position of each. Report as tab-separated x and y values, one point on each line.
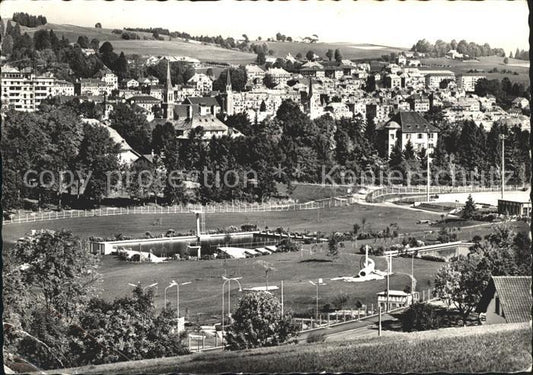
316	337
421	317
433	258
258	322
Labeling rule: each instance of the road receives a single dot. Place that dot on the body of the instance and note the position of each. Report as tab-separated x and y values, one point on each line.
349	329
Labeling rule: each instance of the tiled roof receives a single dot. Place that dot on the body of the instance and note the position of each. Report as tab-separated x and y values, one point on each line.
208	101
413	122
515	297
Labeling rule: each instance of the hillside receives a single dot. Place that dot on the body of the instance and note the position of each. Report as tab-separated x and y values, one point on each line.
519	68
72	32
205	52
349	50
497	348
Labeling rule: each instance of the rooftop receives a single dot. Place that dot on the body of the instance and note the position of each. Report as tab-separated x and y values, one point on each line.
515	296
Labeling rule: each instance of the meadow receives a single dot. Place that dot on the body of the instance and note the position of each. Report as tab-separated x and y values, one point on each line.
498	349
485	63
357	51
324	220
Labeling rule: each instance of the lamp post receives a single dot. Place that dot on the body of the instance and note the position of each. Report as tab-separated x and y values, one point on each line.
177	285
228	281
317	284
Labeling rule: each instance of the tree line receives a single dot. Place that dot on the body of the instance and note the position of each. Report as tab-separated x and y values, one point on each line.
440	48
25	19
520	54
287	148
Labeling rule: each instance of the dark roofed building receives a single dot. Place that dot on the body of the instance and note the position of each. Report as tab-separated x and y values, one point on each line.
507	299
410	126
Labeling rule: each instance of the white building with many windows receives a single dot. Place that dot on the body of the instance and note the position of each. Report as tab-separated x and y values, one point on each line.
24	91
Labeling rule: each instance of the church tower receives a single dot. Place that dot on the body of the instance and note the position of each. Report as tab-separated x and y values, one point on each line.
229	95
168	97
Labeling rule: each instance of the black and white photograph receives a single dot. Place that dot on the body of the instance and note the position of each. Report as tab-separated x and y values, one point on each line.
207	187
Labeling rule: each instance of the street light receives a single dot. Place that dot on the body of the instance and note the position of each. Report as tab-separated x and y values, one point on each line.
177	285
317	284
228	280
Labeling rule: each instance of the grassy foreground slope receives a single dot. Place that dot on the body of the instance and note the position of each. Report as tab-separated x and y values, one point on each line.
498	348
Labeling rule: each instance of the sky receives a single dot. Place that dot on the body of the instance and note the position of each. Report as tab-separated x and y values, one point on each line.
500	23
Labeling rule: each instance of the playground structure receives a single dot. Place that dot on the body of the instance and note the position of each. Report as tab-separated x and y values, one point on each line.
367	272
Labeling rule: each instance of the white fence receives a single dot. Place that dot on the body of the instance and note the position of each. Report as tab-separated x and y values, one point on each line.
237	207
382	193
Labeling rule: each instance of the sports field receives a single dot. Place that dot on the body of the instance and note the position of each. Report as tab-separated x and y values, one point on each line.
486	197
203	297
324	220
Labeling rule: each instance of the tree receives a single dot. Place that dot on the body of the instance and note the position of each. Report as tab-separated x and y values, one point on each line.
462	282
333	245
269	81
469	209
258	322
506	60
421	317
132	125
310	55
7	45
338	55
330	54
98	158
48	280
238	79
121	67
98	25
41	40
261	58
127	329
83	41
95	44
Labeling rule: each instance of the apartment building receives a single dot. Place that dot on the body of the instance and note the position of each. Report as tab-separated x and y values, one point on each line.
24	91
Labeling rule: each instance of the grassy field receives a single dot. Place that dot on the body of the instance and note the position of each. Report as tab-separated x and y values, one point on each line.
203	52
349	50
485	63
499	349
323	220
203	297
72	32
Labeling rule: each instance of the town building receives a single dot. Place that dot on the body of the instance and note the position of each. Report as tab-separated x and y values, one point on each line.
92	86
132	83
395	299
392	81
255	75
279	75
411	127
434	78
146	102
24	91
514	208
467	82
201	82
